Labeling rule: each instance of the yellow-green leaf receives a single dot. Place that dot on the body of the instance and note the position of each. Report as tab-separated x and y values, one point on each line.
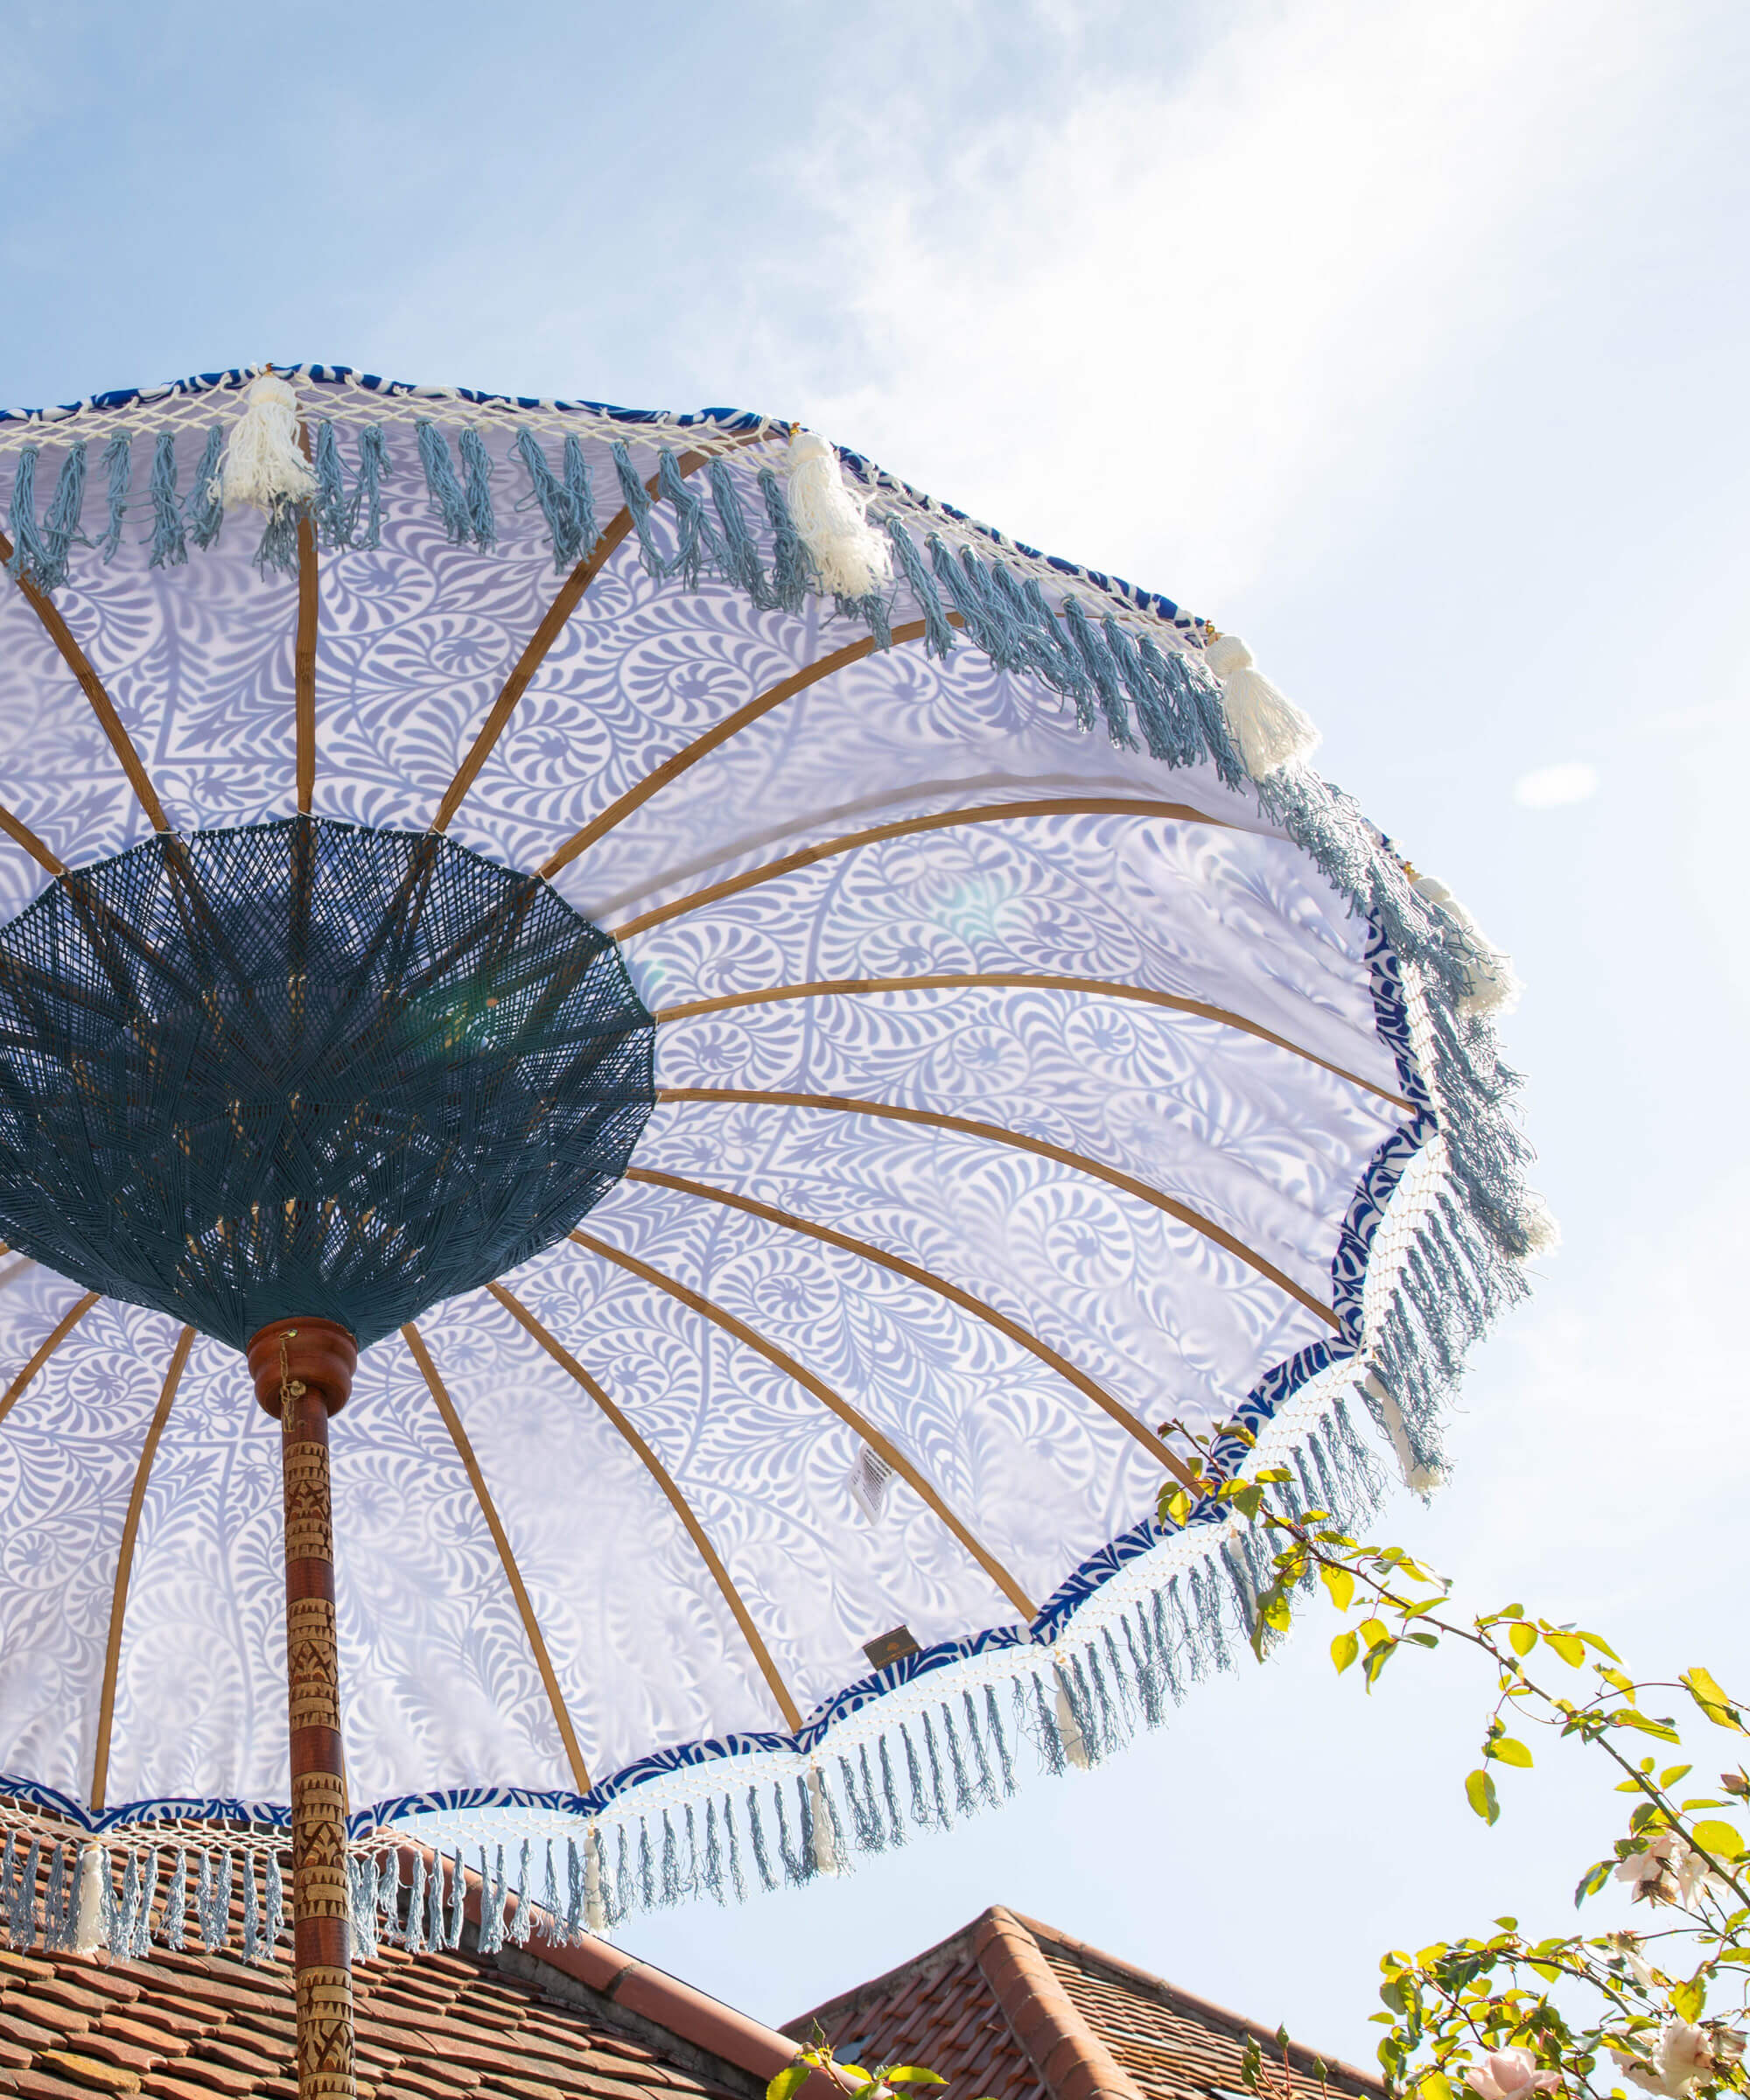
1341	1584
1344	1649
1374	1631
1509	1752
1687	2000
914	2074
1436	2086
1480	1792
1707	1693
1523	1637
1175	1508
1719	1840
787	2081
1569	1646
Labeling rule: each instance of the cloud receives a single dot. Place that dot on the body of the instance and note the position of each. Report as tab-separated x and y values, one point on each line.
1555	787
1152	318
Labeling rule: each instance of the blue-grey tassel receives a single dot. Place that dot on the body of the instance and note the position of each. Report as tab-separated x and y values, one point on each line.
864	1823
794	1872
434	1903
478	467
367	488
518	1928
872	610
896	1828
170	546
741	556
962	1786
224	1881
647	1866
920	1814
1150	718
388	1896
793	567
333	514
575	1891
581	494
809	1850
414	1940
459	1901
277	552
275	1921
9	1880
23	1921
118	467
713	1854
445	491
552	1901
697	545
993	1721
734	1847
968	602
987	1784
636	499
554	499
671	1865
493	1893
1050	1742
204	507
758	1834
30	557
1182	720
626	1896
361	1907
938	1795
176	1901
56	1915
938	635
1103	671
119	1916
252	1915
1033	634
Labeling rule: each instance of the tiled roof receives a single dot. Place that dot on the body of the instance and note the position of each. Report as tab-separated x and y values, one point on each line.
536	2023
1011	2008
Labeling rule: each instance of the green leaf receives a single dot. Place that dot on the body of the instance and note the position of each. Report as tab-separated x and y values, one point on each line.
1341	1584
1594	1879
1707	1693
1569	1646
1344	1649
1523	1637
788	2081
1175	1508
1718	1839
1628	1716
1507	1751
1376	1659
1374	1632
1687	2000
1480	1792
914	2074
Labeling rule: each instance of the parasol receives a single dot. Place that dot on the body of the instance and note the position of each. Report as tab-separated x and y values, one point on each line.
767	1044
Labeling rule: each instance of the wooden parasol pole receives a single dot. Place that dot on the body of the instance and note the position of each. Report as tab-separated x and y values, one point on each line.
302	1370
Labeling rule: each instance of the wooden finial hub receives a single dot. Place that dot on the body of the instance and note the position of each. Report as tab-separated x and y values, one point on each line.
317	1355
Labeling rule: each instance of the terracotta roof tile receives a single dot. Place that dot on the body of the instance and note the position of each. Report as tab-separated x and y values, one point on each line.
541	2023
1011	2008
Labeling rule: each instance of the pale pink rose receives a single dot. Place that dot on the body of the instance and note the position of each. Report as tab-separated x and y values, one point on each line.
1509	2074
1669	1870
1682	2056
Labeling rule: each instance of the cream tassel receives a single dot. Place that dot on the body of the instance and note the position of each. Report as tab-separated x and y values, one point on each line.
1543	1233
595	1911
264	465
826	1860
89	1930
1420	1479
1268	730
1493	987
852	558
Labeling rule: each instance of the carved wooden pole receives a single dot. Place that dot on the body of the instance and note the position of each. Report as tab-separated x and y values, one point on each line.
302	1370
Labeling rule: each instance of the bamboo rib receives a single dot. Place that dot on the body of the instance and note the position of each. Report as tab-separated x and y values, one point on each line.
124	1566
21	834
1019	980
80	664
965	1126
702	747
62	1328
552	625
780	1359
945	820
914	1273
531	1626
678	1501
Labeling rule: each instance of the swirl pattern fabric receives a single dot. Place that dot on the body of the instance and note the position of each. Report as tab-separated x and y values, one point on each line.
1084	1045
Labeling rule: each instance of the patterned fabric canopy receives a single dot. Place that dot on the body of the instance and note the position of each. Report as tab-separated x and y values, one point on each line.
1027	1079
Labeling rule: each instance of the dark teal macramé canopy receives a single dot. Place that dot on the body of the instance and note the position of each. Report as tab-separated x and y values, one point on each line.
303	1068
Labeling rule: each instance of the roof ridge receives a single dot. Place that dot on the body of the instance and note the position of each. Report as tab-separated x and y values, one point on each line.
1206	2009
1072	2059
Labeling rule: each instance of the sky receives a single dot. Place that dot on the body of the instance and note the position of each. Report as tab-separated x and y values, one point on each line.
1407	342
